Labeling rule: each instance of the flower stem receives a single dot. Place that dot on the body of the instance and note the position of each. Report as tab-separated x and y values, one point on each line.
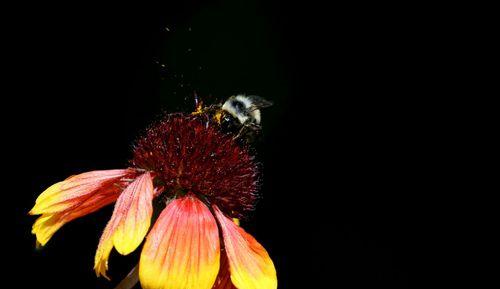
130	280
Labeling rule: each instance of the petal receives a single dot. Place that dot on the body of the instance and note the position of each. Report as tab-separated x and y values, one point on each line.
76	189
182	250
136	211
103	250
249	263
129	223
47	224
223	280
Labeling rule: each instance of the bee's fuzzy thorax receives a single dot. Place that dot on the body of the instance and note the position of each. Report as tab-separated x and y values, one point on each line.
190	153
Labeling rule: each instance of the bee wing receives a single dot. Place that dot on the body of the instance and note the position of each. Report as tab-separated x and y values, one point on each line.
259	102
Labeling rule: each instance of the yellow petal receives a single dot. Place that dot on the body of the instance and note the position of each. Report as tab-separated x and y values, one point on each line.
45	226
47	199
103	251
182	250
249	263
129	223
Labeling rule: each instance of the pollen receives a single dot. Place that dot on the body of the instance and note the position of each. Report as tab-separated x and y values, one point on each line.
189	153
218	116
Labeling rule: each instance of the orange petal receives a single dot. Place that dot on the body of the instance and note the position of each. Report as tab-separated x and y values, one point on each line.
182	250
223	280
47	224
249	263
77	189
129	223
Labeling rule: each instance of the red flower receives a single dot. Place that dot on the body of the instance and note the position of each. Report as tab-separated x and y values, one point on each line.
205	178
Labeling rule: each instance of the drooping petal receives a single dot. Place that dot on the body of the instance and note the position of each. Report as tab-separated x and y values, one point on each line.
182	250
223	280
129	223
103	250
47	224
77	189
250	264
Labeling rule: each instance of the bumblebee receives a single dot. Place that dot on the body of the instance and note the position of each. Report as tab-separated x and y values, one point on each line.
239	114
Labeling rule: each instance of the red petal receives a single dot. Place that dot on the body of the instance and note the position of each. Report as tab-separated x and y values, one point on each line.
75	197
223	280
78	189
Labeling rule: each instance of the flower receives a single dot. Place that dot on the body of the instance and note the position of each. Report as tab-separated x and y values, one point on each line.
203	181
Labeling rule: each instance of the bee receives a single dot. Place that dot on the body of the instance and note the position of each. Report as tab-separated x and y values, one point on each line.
239	114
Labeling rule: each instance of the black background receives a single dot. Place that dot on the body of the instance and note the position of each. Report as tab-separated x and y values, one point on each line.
345	156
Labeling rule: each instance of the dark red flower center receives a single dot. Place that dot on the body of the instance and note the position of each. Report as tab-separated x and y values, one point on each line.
190	154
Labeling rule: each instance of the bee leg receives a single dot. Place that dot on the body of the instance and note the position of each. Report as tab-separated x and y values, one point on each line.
247	126
240	132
